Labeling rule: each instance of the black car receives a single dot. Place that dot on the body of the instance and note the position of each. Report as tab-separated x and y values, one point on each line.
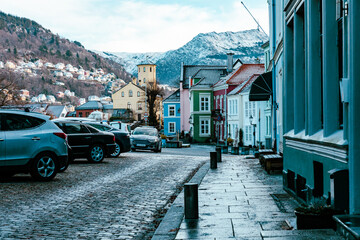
145	138
87	141
122	139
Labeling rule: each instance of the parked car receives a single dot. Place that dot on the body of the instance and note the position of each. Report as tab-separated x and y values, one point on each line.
87	141
145	138
31	143
122	139
124	127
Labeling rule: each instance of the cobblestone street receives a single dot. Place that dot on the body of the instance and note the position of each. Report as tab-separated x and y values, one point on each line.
121	198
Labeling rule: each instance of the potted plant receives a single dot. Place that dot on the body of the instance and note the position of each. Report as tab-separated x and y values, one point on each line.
317	215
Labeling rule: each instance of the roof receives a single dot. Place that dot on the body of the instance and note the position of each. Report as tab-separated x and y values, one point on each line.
141	88
55	110
108	106
208	76
244	86
91	105
191	70
174	97
146	63
243	73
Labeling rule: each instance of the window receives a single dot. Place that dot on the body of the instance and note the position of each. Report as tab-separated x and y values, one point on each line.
129	105
144	69
144	80
204	103
15	122
139	69
150	69
122	94
80	114
171	127
246	109
139	107
248	133
87	114
172	110
204	126
74	128
130	93
138	93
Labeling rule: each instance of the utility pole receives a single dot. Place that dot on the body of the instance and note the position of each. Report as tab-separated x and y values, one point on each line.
258	24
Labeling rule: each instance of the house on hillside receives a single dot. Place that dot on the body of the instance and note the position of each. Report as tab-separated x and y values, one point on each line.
172	113
57	111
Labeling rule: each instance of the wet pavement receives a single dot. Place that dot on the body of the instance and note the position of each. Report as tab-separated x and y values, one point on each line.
238	200
121	198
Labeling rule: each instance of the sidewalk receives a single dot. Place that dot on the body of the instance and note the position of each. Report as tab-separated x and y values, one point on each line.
238	200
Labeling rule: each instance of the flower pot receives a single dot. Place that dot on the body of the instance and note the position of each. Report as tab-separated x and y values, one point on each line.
314	221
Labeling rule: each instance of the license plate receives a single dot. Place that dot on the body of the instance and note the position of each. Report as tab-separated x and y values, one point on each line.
141	145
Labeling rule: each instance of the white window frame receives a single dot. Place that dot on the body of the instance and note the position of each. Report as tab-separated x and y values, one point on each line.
169	110
205	96
246	109
169	128
208	133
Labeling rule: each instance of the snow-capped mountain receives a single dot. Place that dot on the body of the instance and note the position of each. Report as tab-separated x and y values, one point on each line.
206	48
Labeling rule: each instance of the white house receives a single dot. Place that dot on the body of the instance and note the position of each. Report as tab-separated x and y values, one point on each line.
246	115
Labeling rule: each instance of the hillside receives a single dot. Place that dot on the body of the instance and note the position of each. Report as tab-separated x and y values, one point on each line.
23	40
205	48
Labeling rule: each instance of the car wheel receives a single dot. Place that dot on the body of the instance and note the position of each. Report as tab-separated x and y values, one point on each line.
65	166
96	154
117	151
44	167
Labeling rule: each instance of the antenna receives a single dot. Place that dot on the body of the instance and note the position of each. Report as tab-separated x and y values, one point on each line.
258	24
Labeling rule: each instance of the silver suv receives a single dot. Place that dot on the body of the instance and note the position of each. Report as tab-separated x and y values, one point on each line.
31	143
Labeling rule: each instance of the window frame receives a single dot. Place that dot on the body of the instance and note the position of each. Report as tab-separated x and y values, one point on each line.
169	110
169	127
208	124
207	97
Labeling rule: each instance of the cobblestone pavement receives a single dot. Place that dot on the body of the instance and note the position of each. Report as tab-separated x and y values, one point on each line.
121	198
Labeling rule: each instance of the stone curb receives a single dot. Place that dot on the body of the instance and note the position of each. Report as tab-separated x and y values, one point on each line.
170	224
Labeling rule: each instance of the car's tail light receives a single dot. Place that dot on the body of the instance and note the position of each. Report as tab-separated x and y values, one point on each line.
61	135
113	138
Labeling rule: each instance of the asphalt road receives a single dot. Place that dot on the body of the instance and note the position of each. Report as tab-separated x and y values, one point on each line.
121	198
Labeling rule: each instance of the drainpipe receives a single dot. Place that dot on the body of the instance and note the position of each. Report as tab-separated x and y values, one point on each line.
274	103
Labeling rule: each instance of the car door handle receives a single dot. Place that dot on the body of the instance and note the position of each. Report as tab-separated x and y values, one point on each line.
35	138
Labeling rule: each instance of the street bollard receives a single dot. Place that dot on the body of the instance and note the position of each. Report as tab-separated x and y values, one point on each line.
191	201
218	153
213	160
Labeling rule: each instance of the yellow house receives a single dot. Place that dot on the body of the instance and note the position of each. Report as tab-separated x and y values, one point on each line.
130	97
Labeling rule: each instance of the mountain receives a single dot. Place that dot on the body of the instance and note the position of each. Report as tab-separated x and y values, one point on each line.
23	41
206	48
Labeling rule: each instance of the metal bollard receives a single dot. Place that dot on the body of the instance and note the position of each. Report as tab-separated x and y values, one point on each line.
213	160
218	154
191	201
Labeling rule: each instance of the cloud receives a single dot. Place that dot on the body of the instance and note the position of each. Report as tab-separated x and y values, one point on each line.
137	25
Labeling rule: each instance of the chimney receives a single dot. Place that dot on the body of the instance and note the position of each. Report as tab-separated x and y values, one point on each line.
230	62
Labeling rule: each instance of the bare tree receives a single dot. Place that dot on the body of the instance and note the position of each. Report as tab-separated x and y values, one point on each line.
9	90
153	92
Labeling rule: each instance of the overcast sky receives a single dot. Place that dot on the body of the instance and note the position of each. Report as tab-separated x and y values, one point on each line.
138	25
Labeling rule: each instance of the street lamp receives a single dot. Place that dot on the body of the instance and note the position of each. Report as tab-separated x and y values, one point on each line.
254	126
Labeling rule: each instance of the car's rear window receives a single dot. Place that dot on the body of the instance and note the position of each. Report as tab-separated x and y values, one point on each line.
14	122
